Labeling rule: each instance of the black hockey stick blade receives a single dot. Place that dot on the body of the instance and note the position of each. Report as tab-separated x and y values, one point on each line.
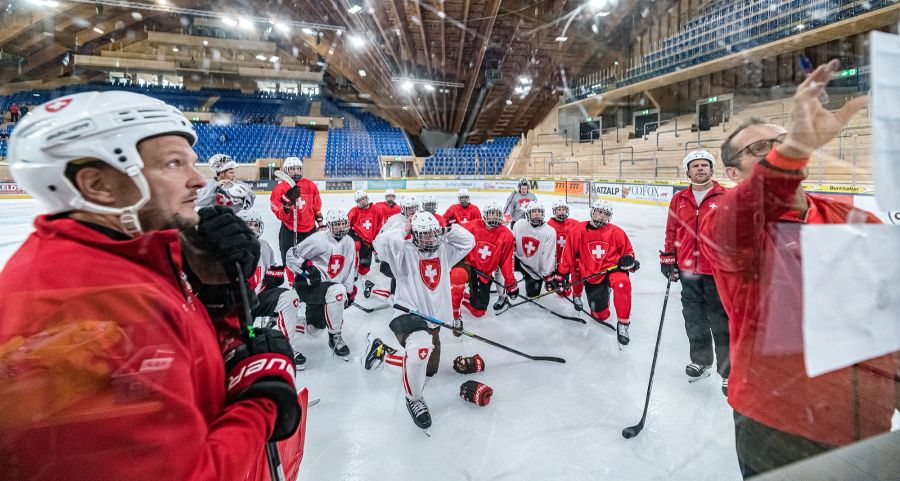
632	431
369	310
527	299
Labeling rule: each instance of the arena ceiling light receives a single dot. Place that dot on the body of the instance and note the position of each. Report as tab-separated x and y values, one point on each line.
407	85
357	41
403	81
362	73
282	27
561	39
524	79
45	3
229	21
508	102
274	59
246	24
308	31
98	30
429	87
260	56
353	10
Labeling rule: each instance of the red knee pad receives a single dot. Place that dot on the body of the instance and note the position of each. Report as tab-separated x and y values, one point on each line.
602	315
458	276
475	312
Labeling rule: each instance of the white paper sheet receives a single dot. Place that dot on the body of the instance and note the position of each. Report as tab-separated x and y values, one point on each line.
885	116
851	294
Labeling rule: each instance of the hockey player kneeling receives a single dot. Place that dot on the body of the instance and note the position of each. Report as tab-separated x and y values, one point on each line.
535	249
422	268
597	246
325	264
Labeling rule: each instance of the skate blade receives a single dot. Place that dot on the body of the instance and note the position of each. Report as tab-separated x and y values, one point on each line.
313	402
692	380
427	432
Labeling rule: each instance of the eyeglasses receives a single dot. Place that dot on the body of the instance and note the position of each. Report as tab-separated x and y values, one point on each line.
760	148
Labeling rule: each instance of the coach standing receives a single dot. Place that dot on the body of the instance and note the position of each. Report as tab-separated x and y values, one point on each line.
705	320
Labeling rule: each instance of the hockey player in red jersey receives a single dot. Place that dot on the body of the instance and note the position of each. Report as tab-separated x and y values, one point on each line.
325	266
463	212
365	221
429	204
597	245
493	250
298	207
389	206
563	226
424	265
535	253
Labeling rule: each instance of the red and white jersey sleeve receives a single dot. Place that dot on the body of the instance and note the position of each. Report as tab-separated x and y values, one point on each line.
493	249
365	222
423	279
335	260
266	260
536	248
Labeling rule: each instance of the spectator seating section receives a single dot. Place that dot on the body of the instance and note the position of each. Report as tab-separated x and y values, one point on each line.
740	25
353	150
248	142
485	159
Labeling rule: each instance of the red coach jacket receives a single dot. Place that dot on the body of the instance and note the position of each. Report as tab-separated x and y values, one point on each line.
753	243
110	368
683	228
310	204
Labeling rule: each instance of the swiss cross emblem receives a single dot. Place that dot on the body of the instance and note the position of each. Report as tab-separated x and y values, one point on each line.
484	250
597	249
423	353
530	245
713	205
430	271
524	201
335	264
561	241
367	224
57	105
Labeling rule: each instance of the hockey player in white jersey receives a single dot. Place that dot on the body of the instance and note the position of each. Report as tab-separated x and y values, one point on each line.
275	302
408	208
535	255
422	267
325	268
223	189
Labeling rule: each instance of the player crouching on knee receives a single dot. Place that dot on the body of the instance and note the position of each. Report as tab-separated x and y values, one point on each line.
493	250
423	265
597	246
325	266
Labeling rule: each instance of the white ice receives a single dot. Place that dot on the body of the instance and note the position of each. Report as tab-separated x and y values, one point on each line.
545	421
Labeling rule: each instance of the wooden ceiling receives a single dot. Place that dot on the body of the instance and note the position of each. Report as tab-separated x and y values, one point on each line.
452	41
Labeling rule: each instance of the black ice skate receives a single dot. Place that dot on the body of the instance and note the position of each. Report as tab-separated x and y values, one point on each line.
420	415
622	334
375	355
578	305
457	325
299	361
696	371
336	343
502	304
367	290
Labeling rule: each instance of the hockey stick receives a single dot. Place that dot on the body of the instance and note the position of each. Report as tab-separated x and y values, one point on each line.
276	470
592	316
476	336
287	178
527	299
369	310
633	431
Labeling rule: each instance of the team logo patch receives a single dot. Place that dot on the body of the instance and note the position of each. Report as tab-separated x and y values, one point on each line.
597	250
367	224
524	201
484	250
423	353
335	264
530	245
430	271
57	105
561	241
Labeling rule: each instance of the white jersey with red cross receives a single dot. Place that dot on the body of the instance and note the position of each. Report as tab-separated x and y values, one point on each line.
335	260
535	248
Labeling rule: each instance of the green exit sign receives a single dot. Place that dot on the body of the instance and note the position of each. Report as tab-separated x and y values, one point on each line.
847	73
712	100
271	164
312	122
195	118
397	159
590	119
645	112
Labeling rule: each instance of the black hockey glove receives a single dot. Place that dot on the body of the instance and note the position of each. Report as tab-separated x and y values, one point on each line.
274	277
289	199
512	291
468	365
263	366
225	235
308	275
626	263
476	392
668	265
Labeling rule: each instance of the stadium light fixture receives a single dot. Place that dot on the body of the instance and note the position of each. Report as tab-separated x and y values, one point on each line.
308	31
429	87
274	59
175	49
98	30
281	27
602	13
508	102
407	85
362	73
356	41
800	26
260	56
524	79
353	10
245	24
229	21
561	39
205	43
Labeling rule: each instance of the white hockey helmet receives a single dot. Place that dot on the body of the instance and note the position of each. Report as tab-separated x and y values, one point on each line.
427	233
462	195
560	210
103	126
390	197
601	206
219	163
697	155
408	205
337	222
534	211
293	167
253	220
361	198
235	195
493	214
429	203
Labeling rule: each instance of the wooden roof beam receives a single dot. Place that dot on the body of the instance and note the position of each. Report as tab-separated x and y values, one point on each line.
476	69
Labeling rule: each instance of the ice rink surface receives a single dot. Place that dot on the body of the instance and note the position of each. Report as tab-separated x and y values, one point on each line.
545	421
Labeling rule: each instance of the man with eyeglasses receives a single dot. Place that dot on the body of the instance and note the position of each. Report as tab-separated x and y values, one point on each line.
781	415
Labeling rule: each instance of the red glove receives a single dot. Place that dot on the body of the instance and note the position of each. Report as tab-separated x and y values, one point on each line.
468	365
351	296
476	393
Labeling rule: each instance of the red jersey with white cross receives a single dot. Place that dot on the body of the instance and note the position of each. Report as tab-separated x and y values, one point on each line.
594	249
308	205
365	222
457	214
563	231
493	249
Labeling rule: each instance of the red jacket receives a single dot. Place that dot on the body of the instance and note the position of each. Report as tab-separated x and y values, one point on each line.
593	250
123	377
493	248
753	243
456	213
365	222
310	205
683	228
563	232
